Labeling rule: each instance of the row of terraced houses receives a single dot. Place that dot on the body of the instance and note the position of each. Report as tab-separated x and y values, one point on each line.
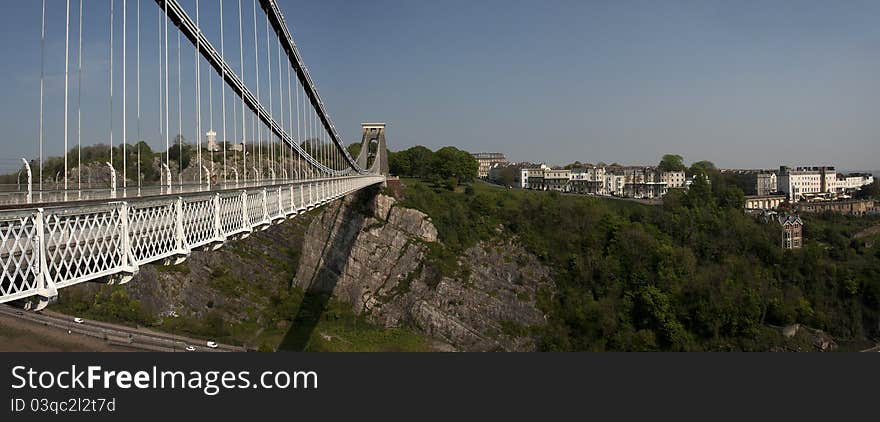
623	181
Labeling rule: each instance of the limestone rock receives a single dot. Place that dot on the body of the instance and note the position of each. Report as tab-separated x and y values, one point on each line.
381	269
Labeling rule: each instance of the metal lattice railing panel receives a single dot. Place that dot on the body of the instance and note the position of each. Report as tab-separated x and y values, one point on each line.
255	208
231	218
198	221
272	204
19	255
151	230
286	205
82	244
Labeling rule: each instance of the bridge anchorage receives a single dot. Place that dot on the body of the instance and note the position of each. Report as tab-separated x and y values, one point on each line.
286	158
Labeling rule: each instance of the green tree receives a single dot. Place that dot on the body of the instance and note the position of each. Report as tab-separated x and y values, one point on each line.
181	152
451	162
420	160
672	162
702	167
733	197
700	192
508	176
871	191
354	149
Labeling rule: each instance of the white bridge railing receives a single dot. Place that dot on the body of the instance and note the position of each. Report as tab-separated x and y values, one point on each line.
45	249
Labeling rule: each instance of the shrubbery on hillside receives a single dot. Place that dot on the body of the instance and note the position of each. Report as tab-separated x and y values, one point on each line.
693	274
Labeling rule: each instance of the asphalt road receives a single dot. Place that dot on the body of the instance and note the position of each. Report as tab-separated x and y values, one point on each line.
113	334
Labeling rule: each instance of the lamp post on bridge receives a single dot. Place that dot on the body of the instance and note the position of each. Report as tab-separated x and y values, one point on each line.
235	170
30	180
167	178
207	176
112	180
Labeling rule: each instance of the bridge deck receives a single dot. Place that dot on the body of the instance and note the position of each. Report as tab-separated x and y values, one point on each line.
63	244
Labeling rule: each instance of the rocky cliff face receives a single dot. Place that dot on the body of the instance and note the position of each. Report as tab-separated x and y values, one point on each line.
375	255
367	251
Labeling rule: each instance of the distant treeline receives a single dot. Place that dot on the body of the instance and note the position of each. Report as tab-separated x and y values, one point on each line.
448	165
180	154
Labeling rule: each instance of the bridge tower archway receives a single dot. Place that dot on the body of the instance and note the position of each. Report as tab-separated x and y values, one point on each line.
374	153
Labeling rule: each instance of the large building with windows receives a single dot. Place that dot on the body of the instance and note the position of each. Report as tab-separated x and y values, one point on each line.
854	181
673	179
804	183
557	179
766	183
487	160
640	182
590	180
532	176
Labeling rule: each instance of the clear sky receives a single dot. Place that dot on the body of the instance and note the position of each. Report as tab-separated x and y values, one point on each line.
742	83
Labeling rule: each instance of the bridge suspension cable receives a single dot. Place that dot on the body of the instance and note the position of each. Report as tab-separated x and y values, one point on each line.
124	97
241	64
79	102
270	141
223	93
311	148
167	120
179	117
42	78
160	85
111	84
66	84
211	119
183	21
138	72
198	61
259	98
289	120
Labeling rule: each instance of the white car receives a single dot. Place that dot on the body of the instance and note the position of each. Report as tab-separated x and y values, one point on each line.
190	348
78	320
212	345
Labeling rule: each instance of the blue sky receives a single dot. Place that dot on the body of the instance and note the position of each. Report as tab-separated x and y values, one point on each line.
742	83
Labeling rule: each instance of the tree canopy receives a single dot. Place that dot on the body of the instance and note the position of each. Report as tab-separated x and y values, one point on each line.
871	191
672	162
702	167
507	176
447	164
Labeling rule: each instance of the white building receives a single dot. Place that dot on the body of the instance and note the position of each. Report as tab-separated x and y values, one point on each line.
487	160
588	180
533	173
806	181
767	183
211	137
856	181
673	179
614	183
557	179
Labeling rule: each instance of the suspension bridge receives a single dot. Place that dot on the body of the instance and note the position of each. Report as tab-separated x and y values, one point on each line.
99	211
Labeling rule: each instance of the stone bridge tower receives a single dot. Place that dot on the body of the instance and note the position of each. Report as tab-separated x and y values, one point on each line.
373	133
